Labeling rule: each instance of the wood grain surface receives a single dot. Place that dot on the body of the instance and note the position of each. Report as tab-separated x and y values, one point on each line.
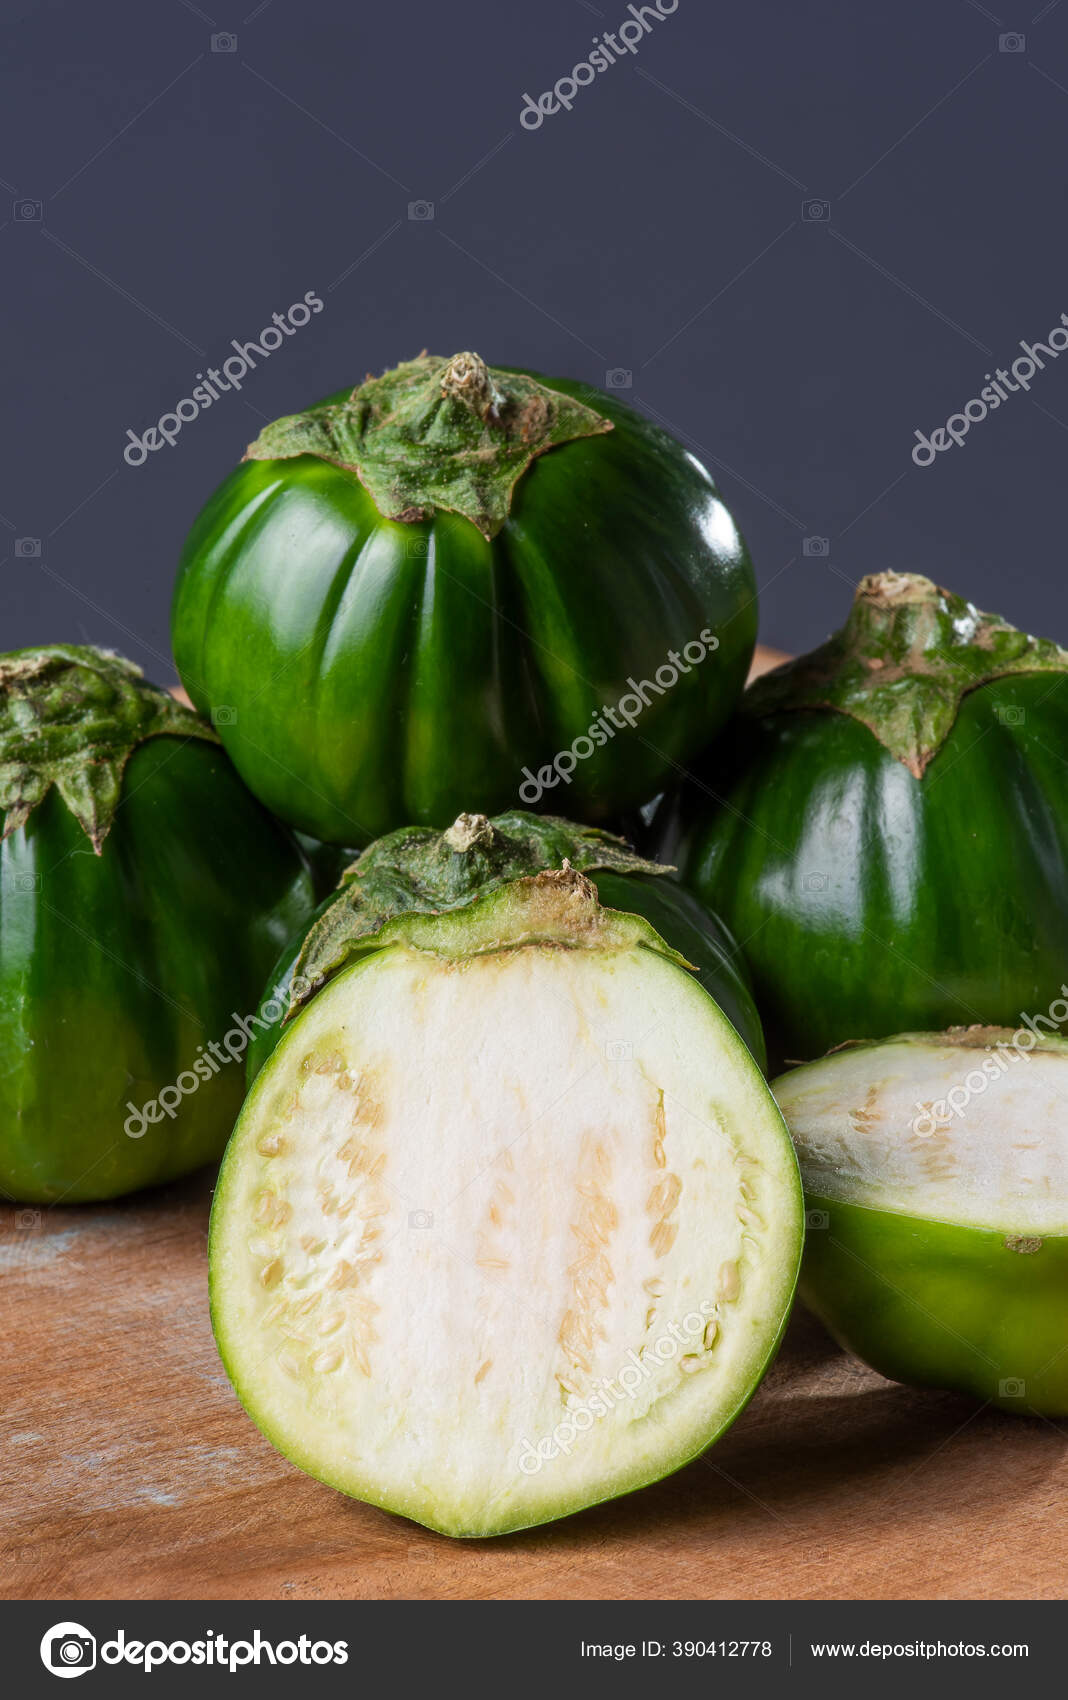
129	1471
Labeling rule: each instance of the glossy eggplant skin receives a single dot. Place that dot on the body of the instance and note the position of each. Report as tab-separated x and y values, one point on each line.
677	916
867	901
374	673
937	1304
326	861
117	971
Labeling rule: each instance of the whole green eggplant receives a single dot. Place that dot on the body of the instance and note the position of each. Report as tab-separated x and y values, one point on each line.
885	825
143	895
463	587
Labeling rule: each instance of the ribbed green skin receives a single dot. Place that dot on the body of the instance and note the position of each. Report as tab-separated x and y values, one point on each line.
868	902
114	969
679	919
381	674
935	1304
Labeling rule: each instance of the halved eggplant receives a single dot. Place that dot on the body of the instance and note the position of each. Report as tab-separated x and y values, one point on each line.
936	1179
510	1222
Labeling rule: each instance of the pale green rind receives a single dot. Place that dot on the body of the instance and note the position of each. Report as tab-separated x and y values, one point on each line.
420	870
558	908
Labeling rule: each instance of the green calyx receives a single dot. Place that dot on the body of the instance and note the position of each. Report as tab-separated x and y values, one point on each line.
430	434
417	871
557	907
905	657
71	716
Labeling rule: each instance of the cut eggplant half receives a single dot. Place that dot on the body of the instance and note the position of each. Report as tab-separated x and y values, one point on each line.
510	1222
936	1179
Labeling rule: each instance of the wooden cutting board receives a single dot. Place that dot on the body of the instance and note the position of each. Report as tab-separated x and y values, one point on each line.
129	1471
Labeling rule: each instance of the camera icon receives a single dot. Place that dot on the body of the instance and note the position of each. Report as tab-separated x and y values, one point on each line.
27	548
1011	1388
224	715
421	212
816	212
1012	42
27	212
813	882
618	378
224	42
816	548
417	548
420	1218
1010	715
27	1220
26	882
619	1050
68	1649
817	1219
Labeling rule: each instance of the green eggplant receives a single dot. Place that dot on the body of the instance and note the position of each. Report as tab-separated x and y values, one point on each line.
143	895
326	861
417	869
509	1223
885	827
935	1168
461	586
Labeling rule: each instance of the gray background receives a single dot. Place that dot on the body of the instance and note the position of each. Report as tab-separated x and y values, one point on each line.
658	228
